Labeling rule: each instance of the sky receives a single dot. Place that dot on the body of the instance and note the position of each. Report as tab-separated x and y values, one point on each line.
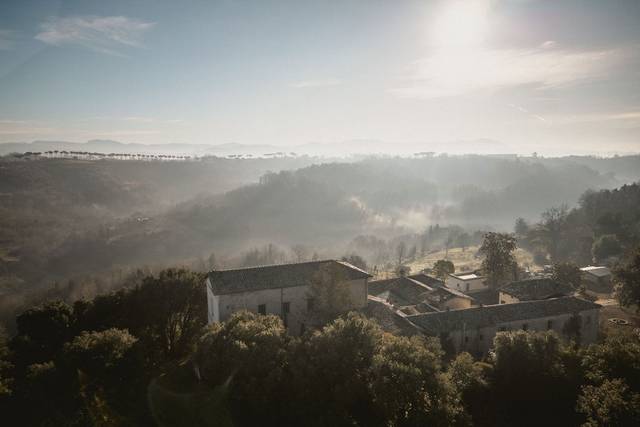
513	76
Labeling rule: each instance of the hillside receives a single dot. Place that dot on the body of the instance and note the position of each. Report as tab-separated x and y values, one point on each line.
96	220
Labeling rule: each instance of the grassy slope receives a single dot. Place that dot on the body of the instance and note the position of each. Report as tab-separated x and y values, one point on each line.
465	259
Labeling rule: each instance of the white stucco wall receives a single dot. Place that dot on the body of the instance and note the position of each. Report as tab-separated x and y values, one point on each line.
225	305
480	341
474	285
213	304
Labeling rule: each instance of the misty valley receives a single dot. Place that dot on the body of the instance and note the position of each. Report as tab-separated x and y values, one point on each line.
74	228
441	271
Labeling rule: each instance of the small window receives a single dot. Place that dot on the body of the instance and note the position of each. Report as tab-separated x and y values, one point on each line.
502	302
262	309
310	304
549	324
503	328
525	326
588	320
286	307
466	339
480	337
467	287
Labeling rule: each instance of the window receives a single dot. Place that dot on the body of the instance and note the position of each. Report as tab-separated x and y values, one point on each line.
480	337
467	287
262	309
310	304
525	326
588	320
466	339
502	302
549	324
286	308
503	328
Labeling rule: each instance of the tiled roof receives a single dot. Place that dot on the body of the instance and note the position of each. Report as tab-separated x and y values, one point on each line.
400	290
467	276
423	307
486	297
388	318
449	293
490	315
280	276
534	289
427	280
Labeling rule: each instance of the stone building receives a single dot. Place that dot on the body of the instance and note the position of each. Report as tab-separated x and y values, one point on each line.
283	290
473	329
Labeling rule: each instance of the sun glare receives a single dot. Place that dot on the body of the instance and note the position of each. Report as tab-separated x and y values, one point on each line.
460	24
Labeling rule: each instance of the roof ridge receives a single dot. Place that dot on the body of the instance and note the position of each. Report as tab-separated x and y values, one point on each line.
489	306
276	265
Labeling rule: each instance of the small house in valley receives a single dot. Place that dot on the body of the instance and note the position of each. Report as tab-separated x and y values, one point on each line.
597	279
468	282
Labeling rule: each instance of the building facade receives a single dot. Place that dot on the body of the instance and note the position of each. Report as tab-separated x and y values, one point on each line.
474	329
283	290
467	282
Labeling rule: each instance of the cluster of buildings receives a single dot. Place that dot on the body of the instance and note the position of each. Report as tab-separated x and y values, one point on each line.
461	310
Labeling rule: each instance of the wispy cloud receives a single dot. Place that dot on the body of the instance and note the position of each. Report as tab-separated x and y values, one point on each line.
7	39
315	83
107	34
628	117
527	112
139	120
453	73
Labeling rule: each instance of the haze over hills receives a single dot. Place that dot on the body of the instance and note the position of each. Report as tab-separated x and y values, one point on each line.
340	149
64	218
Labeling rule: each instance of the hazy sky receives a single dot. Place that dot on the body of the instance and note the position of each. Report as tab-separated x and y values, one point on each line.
550	76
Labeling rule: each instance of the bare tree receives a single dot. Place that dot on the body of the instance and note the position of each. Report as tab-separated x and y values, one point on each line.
401	251
301	252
